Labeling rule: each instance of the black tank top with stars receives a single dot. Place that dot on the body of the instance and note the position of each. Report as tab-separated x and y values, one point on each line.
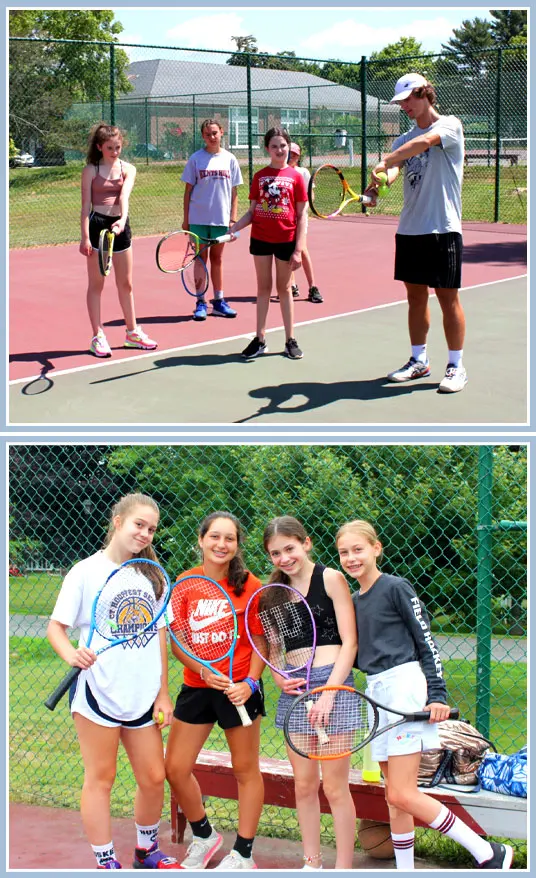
322	609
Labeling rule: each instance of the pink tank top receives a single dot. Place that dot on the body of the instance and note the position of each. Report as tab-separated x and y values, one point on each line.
106	191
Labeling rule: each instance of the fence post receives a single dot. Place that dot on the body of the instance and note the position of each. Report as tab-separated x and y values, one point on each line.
248	98
484	587
112	84
363	77
194	122
147	138
498	135
310	127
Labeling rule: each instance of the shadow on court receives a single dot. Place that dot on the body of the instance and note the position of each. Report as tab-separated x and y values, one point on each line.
496	253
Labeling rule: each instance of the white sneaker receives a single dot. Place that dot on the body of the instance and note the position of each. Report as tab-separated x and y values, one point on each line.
201	851
99	345
455	379
410	370
233	861
307	868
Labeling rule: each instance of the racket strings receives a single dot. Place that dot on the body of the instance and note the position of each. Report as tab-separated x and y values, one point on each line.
343	715
177	251
203	619
328	191
289	632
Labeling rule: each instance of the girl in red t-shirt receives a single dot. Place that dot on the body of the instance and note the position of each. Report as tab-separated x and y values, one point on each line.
278	199
206	698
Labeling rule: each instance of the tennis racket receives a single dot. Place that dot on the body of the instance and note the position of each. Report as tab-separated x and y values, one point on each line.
181	252
349	719
204	625
106	249
126	608
330	194
289	640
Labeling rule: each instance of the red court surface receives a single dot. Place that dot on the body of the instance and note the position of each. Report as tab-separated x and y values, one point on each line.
353	260
52	838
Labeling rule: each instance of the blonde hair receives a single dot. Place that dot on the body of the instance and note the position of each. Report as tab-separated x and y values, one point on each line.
123	508
363	528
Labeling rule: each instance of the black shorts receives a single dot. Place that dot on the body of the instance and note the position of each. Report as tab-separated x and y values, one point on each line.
264	248
433	260
198	706
100	221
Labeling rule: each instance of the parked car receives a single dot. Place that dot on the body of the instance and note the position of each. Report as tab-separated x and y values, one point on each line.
142	150
23	160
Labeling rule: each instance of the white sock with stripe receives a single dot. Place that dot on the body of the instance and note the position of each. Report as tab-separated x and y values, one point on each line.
448	824
104	853
404	847
147	835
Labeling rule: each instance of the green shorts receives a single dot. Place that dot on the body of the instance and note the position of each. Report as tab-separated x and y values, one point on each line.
208	233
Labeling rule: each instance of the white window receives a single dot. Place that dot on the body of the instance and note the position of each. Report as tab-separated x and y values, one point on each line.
294	119
238	127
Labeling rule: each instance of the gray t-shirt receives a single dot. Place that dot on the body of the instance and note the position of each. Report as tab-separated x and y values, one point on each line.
433	181
393	628
213	177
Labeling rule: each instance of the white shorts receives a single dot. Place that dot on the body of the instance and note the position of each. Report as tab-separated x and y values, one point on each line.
402	688
79	703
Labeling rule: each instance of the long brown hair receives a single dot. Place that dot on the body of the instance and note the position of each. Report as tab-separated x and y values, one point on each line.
238	573
99	134
285	526
123	508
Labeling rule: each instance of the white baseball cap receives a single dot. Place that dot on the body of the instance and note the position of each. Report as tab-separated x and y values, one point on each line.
406	84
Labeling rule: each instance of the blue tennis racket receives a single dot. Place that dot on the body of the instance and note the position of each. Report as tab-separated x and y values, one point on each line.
204	625
127	607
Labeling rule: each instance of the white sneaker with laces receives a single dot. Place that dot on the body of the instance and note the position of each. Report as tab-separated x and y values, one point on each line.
233	861
137	338
99	345
201	851
410	370
455	379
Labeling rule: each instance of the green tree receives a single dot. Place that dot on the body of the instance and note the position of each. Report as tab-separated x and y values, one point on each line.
46	78
508	25
392	62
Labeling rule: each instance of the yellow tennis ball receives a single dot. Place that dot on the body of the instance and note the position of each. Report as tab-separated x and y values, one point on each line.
383	190
382	177
160	718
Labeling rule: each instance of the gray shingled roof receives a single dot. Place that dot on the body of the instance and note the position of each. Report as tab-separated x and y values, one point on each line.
223	83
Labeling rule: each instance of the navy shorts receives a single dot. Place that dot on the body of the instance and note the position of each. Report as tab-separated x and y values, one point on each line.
200	706
100	221
264	248
433	260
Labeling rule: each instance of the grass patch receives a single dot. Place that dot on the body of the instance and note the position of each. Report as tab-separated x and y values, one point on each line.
44	203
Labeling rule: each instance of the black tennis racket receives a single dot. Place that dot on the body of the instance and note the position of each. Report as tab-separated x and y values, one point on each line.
329	192
106	250
288	642
126	607
181	252
349	720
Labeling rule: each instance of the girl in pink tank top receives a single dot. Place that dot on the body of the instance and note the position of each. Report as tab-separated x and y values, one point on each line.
106	186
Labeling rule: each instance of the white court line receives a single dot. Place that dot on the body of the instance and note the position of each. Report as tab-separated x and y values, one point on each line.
202	344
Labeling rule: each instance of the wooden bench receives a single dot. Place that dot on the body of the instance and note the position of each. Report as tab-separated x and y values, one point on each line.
486	813
511	157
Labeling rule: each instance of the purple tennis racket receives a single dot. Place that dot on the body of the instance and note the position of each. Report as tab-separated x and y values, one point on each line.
288	642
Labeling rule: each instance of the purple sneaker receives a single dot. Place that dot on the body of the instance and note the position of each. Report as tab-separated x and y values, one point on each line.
152	858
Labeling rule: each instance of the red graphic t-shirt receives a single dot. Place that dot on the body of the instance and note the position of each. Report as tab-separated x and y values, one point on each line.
276	193
243	650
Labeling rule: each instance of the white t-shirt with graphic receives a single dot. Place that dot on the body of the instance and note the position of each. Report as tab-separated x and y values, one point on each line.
433	181
213	177
125	679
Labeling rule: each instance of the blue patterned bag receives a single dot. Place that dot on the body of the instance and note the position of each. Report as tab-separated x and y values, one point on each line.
505	774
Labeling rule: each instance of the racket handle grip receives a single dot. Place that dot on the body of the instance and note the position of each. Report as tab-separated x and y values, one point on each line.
366	199
320	732
62	688
243	714
224	239
424	715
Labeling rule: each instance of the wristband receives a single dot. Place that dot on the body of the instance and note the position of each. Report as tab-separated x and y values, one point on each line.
201	673
253	684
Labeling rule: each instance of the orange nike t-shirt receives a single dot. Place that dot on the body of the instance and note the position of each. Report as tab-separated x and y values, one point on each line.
243	649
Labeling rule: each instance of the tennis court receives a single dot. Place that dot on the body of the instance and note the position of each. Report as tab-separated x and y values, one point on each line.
197	375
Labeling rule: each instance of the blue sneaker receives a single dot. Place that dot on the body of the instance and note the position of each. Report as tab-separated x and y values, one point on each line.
220	308
200	312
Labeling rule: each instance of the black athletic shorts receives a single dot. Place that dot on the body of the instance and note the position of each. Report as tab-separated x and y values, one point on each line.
264	248
202	705
433	260
100	221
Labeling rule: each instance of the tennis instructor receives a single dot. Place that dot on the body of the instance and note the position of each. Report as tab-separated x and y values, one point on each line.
429	237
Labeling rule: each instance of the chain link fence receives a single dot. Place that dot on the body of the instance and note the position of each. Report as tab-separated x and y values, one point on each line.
338	112
452	519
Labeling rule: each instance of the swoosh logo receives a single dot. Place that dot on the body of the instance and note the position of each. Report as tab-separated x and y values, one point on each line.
198	624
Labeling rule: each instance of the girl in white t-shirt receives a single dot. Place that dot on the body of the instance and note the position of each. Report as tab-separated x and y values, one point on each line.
109	706
211	176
